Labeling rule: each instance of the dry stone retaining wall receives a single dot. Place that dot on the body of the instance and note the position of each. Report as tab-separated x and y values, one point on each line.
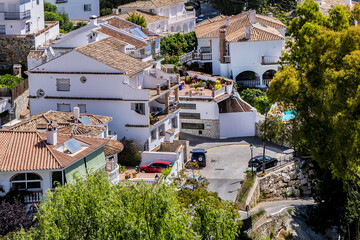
14	49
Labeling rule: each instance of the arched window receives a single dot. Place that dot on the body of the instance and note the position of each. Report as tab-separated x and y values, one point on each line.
24	181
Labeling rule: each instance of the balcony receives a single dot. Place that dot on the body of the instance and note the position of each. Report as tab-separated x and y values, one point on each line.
249	83
17	15
112	170
61	1
269	60
162	114
183	17
33	197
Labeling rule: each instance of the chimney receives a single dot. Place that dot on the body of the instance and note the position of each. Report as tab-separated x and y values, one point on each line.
93	20
247	33
252	16
51	133
222	43
76	113
115	11
227	21
168	83
17	70
93	36
270	14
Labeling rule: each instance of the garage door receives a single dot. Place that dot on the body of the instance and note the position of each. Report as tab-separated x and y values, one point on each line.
237	124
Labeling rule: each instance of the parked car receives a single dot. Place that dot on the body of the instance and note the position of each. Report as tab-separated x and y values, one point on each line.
155	167
256	162
199	156
200	18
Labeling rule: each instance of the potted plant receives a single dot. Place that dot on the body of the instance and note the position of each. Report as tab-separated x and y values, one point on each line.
134	175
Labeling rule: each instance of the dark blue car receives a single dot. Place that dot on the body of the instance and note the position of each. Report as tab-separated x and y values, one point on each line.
199	155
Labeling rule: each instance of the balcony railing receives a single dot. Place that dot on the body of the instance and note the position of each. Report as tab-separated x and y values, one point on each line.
61	1
17	15
227	59
187	15
33	197
162	114
112	170
249	83
267	81
269	60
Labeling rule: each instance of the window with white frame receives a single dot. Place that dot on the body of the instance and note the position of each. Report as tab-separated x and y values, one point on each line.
87	7
174	122
63	84
162	130
138	107
153	135
24	181
63	107
82	108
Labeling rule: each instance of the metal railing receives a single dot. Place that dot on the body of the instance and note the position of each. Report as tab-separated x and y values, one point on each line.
160	115
206	56
17	15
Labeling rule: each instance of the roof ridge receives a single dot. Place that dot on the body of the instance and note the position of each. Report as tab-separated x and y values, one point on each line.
264	30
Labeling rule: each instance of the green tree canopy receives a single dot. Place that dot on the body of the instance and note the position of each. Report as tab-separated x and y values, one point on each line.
137	19
51	14
178	44
9	81
257	99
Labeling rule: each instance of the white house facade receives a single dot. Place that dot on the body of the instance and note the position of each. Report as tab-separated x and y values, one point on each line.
111	83
78	9
177	18
244	47
215	114
26	18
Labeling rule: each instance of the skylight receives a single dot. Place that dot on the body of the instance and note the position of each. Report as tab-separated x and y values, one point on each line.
138	32
85	120
72	145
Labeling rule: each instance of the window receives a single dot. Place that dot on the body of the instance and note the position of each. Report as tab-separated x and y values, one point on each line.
174	122
192	125
24	181
82	108
63	107
83	79
153	135
63	84
40	93
190	115
37	2
87	7
57	177
138	107
188	105
162	130
27	27
2	29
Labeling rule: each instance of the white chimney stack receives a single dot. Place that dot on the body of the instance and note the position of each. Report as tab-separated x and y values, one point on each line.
270	14
76	113
51	133
93	20
227	21
93	36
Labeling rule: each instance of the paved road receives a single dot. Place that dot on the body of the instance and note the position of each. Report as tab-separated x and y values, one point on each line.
227	161
276	207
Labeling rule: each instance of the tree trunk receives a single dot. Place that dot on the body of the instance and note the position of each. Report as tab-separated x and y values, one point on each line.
263	160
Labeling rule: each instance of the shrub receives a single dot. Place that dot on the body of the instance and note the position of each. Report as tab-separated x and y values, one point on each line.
9	81
256	98
187	80
130	156
137	19
245	187
166	172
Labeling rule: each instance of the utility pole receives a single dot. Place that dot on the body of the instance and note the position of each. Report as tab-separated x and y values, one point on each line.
264	140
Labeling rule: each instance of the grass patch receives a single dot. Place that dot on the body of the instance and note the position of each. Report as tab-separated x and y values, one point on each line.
245	188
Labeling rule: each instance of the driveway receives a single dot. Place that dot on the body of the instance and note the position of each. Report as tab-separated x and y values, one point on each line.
227	160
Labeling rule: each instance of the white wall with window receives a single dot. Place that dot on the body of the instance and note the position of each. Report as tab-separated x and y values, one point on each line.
78	9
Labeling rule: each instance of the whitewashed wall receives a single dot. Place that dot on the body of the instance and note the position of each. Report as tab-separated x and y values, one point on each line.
75	8
237	124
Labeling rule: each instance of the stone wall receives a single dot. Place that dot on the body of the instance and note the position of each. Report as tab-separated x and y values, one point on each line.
21	103
211	128
293	180
15	49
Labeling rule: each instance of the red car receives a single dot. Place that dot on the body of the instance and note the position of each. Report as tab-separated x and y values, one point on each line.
155	167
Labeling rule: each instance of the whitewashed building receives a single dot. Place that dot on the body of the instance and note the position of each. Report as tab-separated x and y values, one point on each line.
138	42
106	81
26	18
245	47
177	19
77	9
215	114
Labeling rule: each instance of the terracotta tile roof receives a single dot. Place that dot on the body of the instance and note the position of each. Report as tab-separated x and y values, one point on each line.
118	23
65	121
27	151
210	20
113	147
36	54
270	21
149	17
107	51
235	32
123	38
149	3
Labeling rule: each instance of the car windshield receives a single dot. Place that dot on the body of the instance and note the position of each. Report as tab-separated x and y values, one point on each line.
196	155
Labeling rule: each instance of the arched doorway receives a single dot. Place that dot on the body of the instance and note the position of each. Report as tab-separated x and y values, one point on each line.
268	76
248	79
186	29
178	28
26	181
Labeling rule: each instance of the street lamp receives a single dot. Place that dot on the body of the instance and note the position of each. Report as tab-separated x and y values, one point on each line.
252	162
